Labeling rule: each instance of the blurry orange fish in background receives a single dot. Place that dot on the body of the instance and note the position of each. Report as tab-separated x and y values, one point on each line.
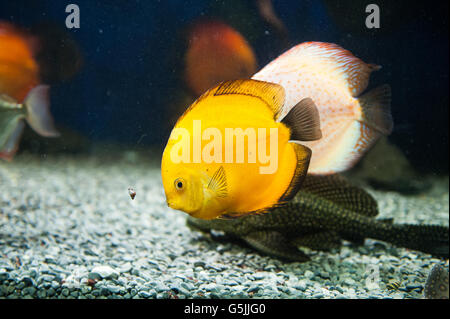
27	59
19	71
216	52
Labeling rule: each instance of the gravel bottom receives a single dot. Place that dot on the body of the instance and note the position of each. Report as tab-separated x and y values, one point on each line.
69	229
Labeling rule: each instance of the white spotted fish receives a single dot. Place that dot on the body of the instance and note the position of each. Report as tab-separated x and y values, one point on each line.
436	286
334	79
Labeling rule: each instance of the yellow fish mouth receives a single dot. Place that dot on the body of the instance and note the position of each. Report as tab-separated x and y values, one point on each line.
170	204
176	207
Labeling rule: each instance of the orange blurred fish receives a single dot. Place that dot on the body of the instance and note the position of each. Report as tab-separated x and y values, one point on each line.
19	72
351	122
216	52
21	95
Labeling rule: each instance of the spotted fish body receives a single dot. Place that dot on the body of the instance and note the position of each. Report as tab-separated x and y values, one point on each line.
326	210
436	286
334	79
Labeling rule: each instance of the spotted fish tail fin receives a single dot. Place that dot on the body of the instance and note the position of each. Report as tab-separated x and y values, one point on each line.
376	109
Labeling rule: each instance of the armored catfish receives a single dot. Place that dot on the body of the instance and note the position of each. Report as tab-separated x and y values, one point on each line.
326	210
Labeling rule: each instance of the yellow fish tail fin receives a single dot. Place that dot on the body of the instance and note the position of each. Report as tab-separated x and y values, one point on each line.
304	122
376	109
303	154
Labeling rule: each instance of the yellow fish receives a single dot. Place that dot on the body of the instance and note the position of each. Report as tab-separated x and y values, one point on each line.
230	155
335	80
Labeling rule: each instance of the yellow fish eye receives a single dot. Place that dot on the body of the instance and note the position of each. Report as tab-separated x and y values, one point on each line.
179	184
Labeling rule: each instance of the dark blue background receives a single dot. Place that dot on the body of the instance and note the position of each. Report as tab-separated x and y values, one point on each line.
132	56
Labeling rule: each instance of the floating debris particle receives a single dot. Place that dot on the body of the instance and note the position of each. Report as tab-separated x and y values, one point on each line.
131	192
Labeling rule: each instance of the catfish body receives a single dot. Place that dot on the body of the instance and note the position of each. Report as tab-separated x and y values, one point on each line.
326	210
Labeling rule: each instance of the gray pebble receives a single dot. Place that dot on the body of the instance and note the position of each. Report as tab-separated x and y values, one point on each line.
48	278
65	292
113	289
309	274
4	275
145	294
199	264
103	272
50	292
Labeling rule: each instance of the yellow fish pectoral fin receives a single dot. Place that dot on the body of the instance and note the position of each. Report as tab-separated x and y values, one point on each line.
218	183
303	154
270	93
304	122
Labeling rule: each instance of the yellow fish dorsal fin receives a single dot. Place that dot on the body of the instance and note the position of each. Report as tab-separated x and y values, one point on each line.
270	93
218	183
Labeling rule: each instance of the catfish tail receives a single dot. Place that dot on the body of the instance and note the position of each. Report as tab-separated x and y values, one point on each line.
430	239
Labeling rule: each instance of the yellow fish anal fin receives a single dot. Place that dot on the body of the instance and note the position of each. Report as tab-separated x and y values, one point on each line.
270	93
303	154
218	183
